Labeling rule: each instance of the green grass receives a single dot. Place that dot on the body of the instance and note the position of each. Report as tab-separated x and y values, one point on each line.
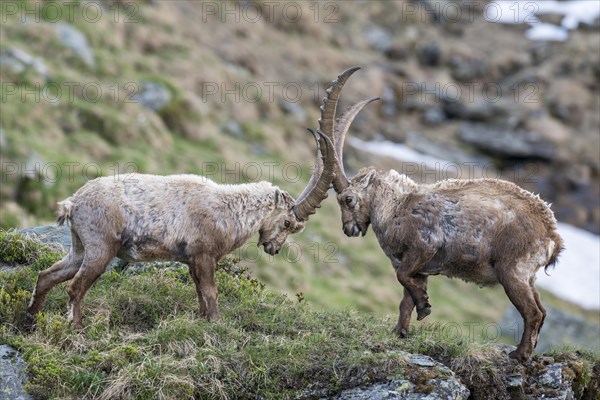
143	338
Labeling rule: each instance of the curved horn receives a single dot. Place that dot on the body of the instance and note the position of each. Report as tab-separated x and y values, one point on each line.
316	190
317	168
327	121
342	124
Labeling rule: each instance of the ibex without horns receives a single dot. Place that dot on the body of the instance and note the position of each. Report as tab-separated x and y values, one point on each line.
186	218
486	231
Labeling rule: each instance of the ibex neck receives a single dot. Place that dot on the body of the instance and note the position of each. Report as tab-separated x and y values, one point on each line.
250	204
388	191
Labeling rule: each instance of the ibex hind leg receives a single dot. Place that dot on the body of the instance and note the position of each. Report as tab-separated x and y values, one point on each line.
536	296
94	264
61	271
523	296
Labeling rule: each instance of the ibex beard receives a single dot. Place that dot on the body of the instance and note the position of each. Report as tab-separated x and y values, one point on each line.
486	231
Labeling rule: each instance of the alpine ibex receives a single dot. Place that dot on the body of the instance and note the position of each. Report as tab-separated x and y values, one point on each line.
186	218
486	231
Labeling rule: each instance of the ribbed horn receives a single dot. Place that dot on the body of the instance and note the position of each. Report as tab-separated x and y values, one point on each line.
320	181
327	120
340	128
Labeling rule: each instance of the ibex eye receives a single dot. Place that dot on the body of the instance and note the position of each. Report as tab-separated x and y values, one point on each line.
348	199
287	223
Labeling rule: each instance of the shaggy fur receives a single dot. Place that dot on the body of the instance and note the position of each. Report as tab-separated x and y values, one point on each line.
485	231
185	218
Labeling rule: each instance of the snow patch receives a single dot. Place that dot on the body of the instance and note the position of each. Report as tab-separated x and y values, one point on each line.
574	13
397	151
576	276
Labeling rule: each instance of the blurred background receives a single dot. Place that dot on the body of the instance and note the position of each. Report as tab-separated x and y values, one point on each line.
470	89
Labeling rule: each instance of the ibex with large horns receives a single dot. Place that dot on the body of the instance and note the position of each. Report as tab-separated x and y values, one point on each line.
185	218
486	231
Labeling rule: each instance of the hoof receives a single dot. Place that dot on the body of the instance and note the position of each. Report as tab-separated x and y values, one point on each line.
403	333
519	356
423	312
213	318
29	322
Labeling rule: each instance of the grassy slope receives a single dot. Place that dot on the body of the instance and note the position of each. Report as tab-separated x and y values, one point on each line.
168	44
143	339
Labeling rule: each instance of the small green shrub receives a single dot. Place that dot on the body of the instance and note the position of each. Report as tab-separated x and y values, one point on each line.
16	248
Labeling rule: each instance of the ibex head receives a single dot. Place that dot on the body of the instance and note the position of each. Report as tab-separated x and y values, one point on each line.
355	203
290	216
282	222
353	195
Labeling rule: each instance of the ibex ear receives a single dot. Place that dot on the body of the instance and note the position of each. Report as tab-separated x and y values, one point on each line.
282	199
364	182
277	197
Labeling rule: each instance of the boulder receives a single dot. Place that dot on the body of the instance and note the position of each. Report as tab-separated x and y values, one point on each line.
19	62
429	54
76	41
429	380
53	234
153	95
12	375
507	143
467	69
379	38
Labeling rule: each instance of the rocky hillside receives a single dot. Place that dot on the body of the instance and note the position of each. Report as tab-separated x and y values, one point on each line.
226	90
143	339
176	85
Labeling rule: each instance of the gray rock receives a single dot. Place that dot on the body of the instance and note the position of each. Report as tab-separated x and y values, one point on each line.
471	111
153	95
379	38
12	375
515	380
560	329
467	69
390	107
506	142
447	387
422	361
59	235
402	389
294	109
429	54
434	116
233	129
50	234
554	384
454	154
19	61
76	41
515	386
553	376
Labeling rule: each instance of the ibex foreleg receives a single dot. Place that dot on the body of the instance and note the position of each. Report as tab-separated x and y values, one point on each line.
202	269
407	271
407	306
